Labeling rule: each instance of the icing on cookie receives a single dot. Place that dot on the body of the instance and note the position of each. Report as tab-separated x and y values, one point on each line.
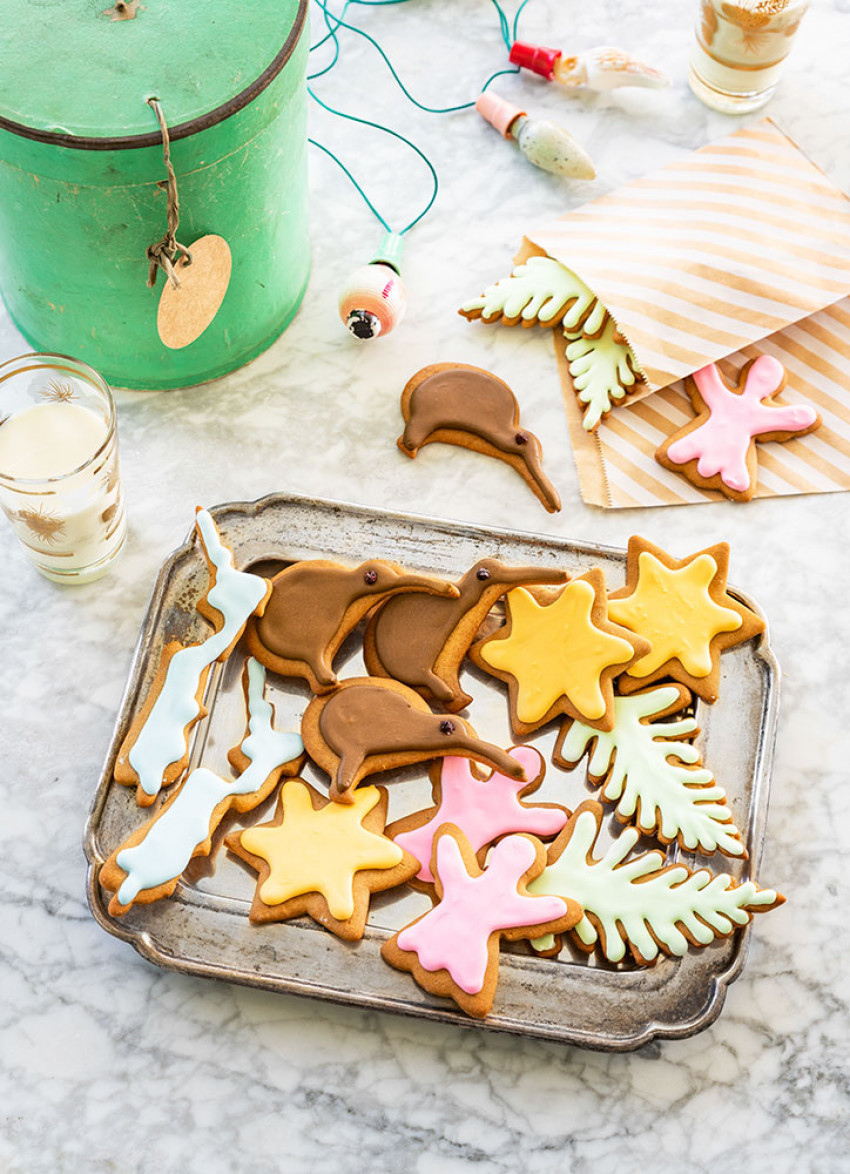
648	900
184	824
319	851
655	778
407	637
315	604
674	610
457	398
601	370
482	809
541	290
362	720
455	934
555	650
736	417
235	595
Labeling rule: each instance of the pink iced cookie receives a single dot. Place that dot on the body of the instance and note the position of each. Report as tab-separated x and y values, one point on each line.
483	809
453	950
717	450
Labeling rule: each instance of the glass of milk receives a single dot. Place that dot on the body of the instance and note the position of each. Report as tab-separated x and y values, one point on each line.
60	485
740	51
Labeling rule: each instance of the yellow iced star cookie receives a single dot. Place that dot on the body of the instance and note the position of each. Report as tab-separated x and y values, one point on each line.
322	858
559	654
682	607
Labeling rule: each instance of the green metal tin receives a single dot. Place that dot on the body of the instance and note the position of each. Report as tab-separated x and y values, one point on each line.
81	158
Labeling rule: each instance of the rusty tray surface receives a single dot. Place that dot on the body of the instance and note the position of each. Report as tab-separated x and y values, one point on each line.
203	928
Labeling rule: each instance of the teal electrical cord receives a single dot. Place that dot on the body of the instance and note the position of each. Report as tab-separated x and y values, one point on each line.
334	23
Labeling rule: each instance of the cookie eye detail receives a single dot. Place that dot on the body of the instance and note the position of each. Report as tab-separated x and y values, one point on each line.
521	438
370	577
447	727
482	573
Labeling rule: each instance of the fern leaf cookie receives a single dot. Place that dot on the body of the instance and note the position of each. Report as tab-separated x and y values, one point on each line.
682	607
603	370
641	905
653	772
559	654
539	292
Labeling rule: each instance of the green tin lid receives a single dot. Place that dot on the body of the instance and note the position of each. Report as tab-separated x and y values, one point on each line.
73	75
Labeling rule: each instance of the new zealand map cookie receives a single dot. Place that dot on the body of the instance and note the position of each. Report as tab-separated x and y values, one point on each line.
453	950
453	403
368	725
559	654
322	858
421	640
640	903
148	865
315	604
485	809
682	607
652	771
717	449
154	753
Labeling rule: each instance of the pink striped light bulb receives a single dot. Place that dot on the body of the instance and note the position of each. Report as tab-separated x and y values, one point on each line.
373	299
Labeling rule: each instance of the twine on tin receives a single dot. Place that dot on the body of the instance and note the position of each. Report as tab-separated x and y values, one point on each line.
162	254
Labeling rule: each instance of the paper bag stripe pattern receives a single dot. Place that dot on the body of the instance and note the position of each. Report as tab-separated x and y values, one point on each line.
713	252
617	467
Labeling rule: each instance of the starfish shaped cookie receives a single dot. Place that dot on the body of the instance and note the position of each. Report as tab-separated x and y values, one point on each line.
560	656
682	607
322	858
717	449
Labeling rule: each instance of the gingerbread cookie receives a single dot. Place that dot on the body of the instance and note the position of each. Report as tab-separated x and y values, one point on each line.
453	403
559	654
653	772
155	752
322	858
315	604
542	292
717	449
366	726
641	904
453	950
148	865
682	607
421	640
483	809
603	371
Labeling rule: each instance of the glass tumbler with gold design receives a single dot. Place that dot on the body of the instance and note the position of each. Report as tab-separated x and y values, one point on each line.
60	485
740	50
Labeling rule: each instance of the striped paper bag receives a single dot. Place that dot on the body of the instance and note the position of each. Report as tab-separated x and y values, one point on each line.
741	248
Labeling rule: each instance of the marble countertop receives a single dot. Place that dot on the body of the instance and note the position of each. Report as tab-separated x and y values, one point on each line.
110	1064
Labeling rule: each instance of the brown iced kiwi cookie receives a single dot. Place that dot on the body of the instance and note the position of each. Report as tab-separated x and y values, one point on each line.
315	604
367	725
454	403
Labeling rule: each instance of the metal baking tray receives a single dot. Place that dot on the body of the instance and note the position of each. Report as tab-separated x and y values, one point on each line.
203	928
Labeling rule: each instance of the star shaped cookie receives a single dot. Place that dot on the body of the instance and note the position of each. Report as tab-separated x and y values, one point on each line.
682	607
322	858
559	653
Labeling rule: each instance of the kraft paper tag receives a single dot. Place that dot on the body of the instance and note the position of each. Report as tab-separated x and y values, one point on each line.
185	312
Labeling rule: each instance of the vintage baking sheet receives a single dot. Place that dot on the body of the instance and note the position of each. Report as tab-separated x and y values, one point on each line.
204	929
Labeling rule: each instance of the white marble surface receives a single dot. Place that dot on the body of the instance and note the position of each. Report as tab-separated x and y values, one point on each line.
109	1064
